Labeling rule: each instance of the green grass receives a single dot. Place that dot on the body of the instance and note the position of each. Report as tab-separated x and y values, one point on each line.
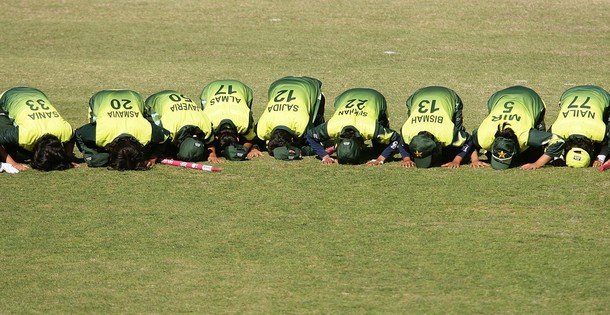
266	236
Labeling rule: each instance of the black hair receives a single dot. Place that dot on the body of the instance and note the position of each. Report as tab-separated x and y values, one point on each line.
280	138
581	142
427	134
191	132
227	136
49	154
126	153
505	131
351	133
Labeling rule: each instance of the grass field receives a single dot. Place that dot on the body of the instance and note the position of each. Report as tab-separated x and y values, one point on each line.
271	237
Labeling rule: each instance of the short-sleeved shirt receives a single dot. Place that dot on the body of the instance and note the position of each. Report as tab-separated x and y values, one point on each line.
33	116
583	111
229	101
173	111
292	104
437	110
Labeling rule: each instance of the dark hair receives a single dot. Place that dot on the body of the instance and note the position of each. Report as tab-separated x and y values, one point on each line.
427	134
126	153
280	138
191	132
227	136
50	154
506	132
350	133
579	142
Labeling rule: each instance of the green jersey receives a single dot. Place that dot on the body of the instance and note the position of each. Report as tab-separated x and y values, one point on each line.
229	100
438	110
363	109
522	110
117	112
518	106
583	111
359	108
172	111
293	103
33	116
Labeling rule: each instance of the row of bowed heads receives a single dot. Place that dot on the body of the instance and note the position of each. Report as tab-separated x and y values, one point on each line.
128	132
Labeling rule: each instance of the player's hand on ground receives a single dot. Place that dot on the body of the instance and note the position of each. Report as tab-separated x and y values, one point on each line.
530	166
375	162
451	165
19	166
407	162
215	159
478	164
151	162
254	152
597	163
328	160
